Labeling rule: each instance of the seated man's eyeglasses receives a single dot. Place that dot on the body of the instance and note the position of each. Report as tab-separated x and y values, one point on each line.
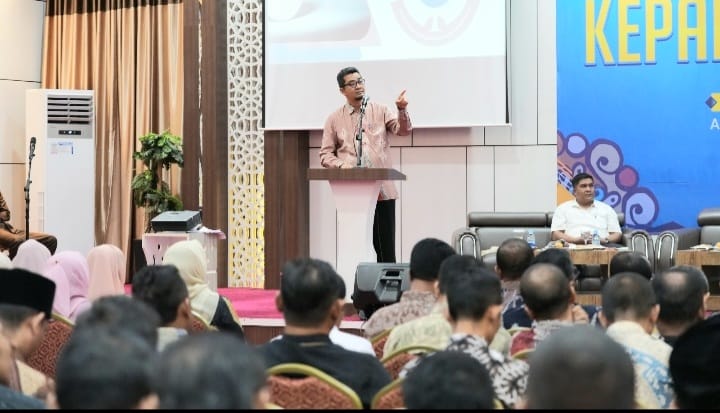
354	83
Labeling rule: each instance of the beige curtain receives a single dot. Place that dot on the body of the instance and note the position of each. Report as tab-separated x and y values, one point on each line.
130	52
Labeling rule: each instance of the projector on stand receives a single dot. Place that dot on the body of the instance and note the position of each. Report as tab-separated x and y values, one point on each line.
182	221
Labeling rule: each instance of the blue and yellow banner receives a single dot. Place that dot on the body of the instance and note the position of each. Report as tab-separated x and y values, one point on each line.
638	91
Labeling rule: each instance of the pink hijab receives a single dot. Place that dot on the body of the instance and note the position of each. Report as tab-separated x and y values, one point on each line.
78	276
32	256
61	302
107	271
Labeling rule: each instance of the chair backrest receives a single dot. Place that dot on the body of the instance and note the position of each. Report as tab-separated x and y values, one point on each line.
492	228
301	386
523	354
378	342
57	333
389	397
395	361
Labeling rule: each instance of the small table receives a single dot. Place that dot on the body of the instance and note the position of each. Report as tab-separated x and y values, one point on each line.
700	259
155	244
587	256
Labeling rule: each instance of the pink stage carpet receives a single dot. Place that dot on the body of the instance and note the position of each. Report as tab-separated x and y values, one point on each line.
254	303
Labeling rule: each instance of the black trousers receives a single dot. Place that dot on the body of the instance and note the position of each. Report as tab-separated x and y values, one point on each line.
384	231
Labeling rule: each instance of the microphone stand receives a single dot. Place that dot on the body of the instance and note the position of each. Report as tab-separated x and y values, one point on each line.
27	195
358	137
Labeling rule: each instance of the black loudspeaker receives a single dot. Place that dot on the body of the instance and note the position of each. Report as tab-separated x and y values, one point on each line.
181	221
378	284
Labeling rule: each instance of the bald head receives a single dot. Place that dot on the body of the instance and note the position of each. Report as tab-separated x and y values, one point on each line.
513	257
546	291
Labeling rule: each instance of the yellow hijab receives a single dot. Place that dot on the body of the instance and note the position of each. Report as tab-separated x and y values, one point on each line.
190	259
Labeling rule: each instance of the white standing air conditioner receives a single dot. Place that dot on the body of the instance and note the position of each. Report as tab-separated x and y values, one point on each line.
62	192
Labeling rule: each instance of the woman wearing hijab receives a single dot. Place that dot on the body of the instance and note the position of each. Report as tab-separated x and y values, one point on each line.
77	273
107	271
32	256
61	302
190	259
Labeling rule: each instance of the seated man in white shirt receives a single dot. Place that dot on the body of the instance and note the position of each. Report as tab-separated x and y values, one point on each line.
575	221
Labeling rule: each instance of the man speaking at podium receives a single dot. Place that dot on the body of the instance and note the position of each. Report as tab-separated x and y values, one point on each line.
369	122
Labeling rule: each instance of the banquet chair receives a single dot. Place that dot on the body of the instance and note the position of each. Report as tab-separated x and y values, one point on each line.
395	361
45	356
378	342
389	397
301	386
523	354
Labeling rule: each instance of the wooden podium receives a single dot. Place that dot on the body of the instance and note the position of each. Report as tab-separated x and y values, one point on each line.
355	192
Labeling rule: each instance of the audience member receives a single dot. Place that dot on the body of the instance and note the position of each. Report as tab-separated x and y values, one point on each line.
211	370
513	257
449	380
346	340
548	300
434	329
106	368
120	312
190	259
474	305
582	314
76	270
32	256
577	368
693	366
11	238
61	301
309	302
106	264
425	260
630	261
682	292
25	306
629	312
162	288
10	397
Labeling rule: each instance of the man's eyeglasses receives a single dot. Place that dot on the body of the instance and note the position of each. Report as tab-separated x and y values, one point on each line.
354	83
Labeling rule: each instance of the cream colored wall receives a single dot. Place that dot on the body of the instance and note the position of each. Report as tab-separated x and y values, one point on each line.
21	24
451	172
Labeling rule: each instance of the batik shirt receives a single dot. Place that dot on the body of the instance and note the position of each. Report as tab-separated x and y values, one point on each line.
529	339
651	358
509	376
412	304
434	330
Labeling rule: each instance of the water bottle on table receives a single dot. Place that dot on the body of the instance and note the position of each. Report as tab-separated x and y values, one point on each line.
596	238
530	238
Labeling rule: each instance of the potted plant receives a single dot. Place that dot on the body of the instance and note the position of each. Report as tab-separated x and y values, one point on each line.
150	191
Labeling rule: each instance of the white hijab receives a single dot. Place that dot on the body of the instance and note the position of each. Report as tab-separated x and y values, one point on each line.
32	256
190	259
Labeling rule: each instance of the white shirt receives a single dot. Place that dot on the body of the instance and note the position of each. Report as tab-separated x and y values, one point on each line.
351	341
574	220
